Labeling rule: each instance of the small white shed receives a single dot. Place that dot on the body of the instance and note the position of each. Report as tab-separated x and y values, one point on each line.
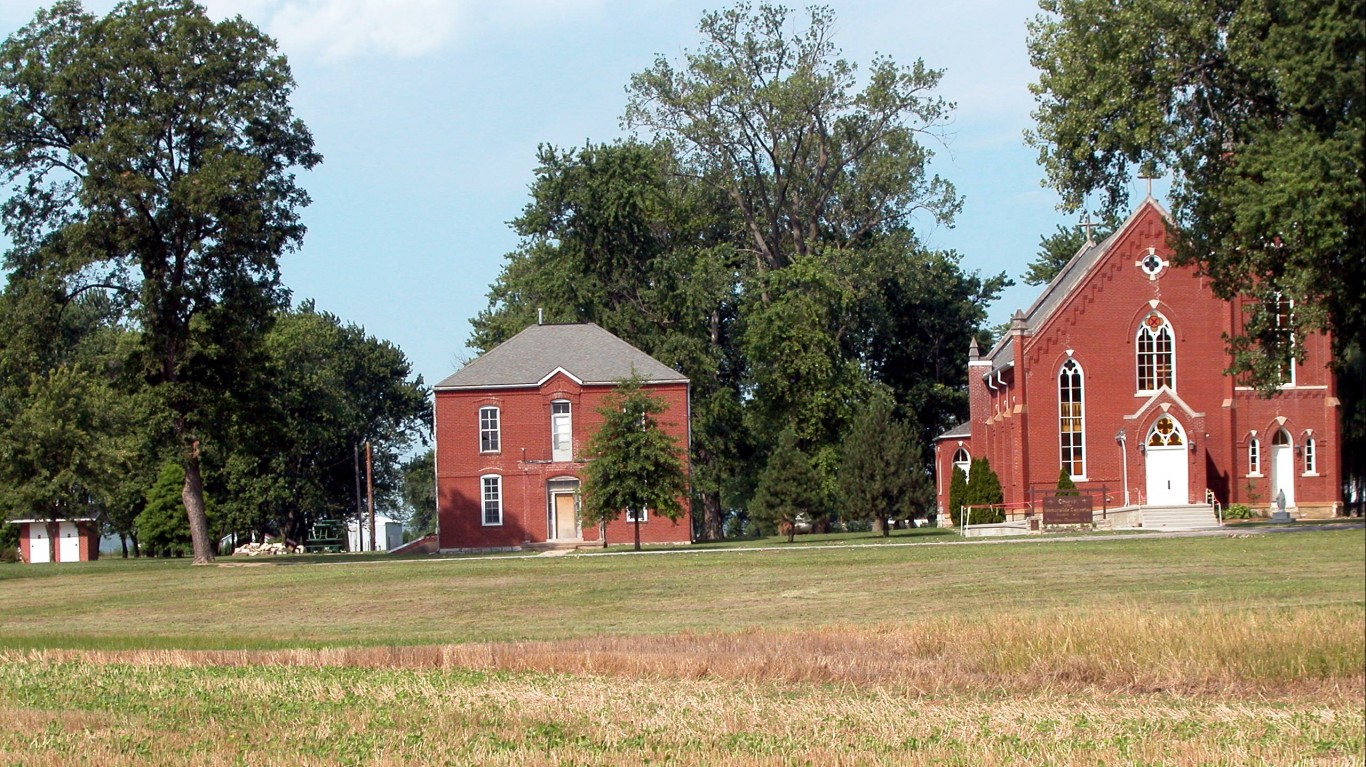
388	534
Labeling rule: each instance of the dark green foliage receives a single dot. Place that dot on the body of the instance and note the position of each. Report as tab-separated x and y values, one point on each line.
789	491
1065	484
882	476
1257	112
163	530
419	493
635	465
958	494
332	387
984	489
63	451
1056	249
152	153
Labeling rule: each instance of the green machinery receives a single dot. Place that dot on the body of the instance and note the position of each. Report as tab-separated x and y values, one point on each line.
326	535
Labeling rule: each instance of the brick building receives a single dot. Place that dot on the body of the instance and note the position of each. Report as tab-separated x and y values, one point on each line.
511	428
58	540
1116	374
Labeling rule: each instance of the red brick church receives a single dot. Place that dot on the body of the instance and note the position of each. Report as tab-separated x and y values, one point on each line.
1116	374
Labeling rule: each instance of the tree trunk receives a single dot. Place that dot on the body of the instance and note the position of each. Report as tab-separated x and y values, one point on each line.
53	530
637	532
123	543
713	522
193	496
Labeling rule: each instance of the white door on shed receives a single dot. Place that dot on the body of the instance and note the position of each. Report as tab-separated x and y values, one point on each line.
38	552
69	547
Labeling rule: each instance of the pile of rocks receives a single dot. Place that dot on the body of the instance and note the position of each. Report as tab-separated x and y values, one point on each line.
260	549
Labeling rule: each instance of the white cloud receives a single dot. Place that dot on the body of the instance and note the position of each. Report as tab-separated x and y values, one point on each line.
332	30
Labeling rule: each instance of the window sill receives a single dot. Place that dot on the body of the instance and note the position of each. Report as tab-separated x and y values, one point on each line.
1310	474
1254	475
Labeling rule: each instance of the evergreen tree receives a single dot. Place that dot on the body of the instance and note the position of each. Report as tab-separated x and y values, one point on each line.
958	494
881	475
635	465
789	488
984	491
1065	484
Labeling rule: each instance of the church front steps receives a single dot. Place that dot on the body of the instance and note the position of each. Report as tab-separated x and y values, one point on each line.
1191	517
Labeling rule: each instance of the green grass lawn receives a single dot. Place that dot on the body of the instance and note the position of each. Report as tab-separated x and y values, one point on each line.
337	601
1111	650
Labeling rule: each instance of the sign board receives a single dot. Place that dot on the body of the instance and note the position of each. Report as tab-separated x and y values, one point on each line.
1067	510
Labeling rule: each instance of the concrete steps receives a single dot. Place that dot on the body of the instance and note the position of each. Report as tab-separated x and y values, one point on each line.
1192	517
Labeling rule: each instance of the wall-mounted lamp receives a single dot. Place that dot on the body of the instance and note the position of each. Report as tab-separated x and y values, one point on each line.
1142	449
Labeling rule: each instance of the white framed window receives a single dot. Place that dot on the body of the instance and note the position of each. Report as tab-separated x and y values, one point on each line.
490	437
1071	420
1156	355
492	499
962	460
1283	318
1310	461
632	515
1254	457
561	431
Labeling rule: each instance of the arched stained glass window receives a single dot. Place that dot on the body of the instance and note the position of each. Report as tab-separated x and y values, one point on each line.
1071	419
1254	456
1165	433
1156	354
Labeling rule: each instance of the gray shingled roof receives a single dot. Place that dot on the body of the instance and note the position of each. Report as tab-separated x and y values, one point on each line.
586	352
963	429
1062	285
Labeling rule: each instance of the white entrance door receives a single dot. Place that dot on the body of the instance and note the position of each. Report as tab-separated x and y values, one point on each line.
1282	468
38	552
69	547
1166	464
1167	481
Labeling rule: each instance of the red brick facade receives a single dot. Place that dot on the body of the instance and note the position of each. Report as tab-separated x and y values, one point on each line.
1109	315
534	486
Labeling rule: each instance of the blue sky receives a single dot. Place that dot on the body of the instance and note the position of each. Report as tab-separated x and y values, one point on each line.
428	114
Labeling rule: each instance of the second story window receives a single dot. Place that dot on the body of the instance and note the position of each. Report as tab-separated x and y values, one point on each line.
561	431
489	438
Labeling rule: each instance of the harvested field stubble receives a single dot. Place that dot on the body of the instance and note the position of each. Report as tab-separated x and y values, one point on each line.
73	713
1292	651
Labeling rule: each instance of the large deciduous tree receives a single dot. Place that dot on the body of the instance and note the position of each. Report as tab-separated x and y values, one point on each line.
1257	110
636	466
152	151
774	117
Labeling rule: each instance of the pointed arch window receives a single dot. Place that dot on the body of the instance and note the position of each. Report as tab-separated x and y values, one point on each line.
962	460
1310	461
1165	433
1156	354
1071	419
1254	456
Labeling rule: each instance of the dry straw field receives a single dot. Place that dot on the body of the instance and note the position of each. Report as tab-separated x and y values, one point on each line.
1191	651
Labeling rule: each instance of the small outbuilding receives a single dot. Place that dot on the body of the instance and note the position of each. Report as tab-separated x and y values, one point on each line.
388	534
59	540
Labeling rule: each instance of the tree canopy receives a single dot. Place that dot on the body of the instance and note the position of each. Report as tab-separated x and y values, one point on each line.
758	236
151	152
1257	111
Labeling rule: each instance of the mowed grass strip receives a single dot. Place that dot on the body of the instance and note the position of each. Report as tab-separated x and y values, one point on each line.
71	713
136	605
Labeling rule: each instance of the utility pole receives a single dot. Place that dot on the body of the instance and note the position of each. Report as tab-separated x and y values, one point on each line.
370	491
360	545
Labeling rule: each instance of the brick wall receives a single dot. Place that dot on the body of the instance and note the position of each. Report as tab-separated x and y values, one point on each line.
525	462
